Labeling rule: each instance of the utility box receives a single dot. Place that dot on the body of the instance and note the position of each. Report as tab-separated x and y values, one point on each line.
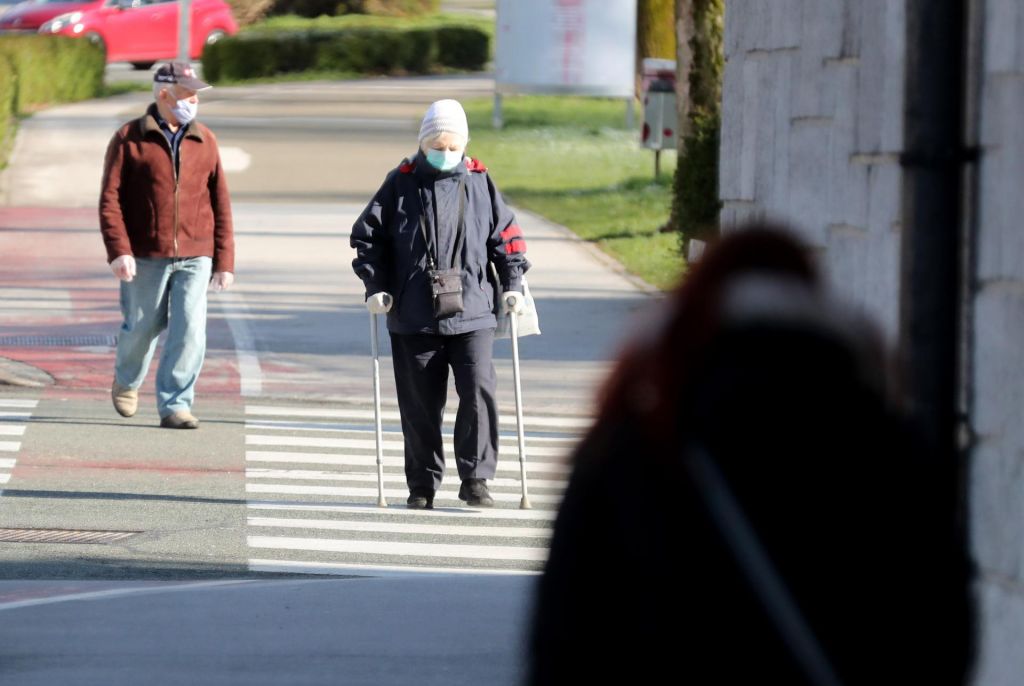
660	117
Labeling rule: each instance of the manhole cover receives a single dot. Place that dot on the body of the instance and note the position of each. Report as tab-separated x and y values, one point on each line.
62	536
56	341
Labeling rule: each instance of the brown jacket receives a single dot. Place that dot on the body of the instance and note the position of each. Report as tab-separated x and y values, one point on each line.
147	210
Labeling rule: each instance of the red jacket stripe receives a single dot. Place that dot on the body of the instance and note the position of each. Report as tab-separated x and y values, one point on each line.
513	231
515	246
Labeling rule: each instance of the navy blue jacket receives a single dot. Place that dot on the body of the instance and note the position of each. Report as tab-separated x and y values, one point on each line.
391	254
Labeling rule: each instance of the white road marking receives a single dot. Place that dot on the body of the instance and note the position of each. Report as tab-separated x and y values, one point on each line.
121	592
389	478
401	527
234	159
12	430
236	313
395	548
10	446
508	464
7	463
371	444
340	568
4	478
402	494
18	403
551	421
438	513
282	425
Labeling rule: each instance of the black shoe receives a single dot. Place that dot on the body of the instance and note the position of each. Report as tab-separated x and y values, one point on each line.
475	493
420	499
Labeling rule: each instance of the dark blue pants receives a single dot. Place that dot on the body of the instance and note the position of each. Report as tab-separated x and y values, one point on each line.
421	374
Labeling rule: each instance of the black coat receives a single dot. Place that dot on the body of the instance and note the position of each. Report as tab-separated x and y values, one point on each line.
391	253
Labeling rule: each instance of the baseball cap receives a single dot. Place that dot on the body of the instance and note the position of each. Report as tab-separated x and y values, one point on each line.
180	73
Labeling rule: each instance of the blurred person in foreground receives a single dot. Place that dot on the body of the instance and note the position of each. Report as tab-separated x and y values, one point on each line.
749	507
166	222
423	247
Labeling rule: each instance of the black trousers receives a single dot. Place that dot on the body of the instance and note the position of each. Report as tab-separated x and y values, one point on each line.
421	374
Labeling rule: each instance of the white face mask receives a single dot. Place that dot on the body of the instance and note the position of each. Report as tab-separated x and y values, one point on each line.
185	111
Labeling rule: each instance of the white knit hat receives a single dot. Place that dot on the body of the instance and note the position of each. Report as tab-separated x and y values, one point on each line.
444	116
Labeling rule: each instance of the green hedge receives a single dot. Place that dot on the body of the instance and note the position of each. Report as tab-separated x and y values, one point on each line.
36	71
360	50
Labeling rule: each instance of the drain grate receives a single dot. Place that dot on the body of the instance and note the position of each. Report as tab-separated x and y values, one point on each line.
56	341
62	536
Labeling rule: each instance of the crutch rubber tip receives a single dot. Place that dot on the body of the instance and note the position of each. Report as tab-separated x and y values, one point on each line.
381	502
524	504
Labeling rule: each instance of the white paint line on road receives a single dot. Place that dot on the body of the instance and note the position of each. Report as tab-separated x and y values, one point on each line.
4	478
509	464
7	463
552	421
389	479
341	569
282	425
10	446
18	403
234	159
371	444
12	430
120	593
236	312
401	528
355	492
395	548
438	513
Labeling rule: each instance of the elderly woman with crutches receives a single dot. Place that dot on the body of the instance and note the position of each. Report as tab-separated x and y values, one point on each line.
424	246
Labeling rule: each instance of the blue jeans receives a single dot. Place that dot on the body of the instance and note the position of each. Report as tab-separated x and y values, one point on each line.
170	294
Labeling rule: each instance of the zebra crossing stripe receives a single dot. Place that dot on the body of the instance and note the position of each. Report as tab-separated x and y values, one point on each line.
371	444
402	549
10	446
437	514
10	402
12	430
355	492
555	421
4	478
505	465
275	425
7	463
377	570
400	527
395	479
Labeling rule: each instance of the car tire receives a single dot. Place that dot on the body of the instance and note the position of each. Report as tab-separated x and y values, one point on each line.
142	65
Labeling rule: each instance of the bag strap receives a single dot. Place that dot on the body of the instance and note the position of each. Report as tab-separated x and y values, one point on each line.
460	231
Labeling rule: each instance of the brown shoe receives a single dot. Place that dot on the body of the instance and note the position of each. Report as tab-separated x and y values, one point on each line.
179	420
126	400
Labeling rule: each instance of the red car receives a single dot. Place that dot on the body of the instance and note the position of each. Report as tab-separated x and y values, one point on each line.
145	31
30	15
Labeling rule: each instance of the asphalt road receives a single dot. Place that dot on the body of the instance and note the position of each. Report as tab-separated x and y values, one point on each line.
279	480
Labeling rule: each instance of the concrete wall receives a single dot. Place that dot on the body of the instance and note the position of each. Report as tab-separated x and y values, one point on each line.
811	129
812	124
997	492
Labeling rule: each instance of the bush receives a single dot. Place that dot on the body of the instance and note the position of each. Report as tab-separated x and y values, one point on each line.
383	8
696	181
360	50
52	69
8	85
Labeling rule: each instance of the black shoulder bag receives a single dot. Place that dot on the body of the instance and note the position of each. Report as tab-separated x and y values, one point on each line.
446	284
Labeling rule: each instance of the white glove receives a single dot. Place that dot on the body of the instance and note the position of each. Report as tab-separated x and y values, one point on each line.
379	303
123	267
222	281
513	301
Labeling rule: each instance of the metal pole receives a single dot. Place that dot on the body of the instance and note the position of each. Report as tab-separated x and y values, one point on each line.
496	119
934	162
524	503
381	502
630	114
184	30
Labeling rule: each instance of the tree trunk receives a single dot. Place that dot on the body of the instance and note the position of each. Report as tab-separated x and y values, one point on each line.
684	64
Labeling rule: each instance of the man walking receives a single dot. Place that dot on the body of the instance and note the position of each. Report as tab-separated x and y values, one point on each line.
166	222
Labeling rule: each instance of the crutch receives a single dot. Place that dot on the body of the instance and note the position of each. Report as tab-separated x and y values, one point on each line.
524	503
376	411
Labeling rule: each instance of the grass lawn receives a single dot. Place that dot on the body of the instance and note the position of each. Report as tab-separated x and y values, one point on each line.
573	161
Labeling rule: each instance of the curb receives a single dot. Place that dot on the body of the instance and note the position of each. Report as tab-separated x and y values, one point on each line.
14	373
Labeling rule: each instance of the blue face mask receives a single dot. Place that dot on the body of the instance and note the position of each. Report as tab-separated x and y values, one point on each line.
444	160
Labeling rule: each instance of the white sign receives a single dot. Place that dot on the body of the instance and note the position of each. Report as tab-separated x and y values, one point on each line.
580	47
